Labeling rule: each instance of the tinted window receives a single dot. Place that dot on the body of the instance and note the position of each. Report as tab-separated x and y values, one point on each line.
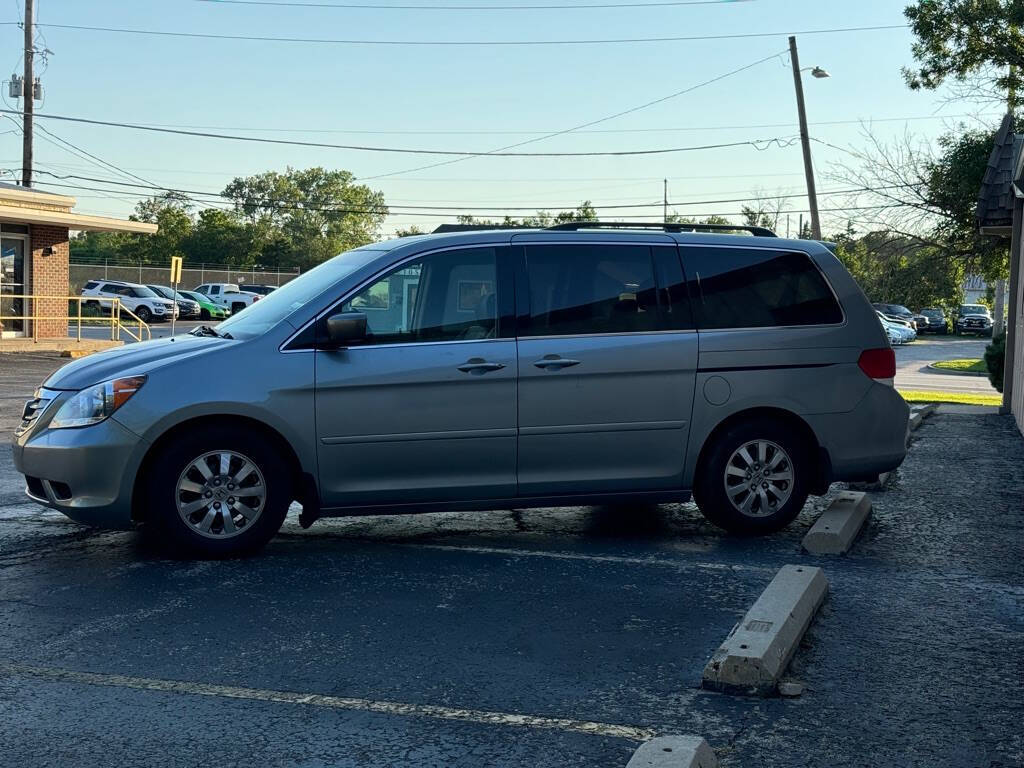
91	284
446	296
586	289
748	288
110	288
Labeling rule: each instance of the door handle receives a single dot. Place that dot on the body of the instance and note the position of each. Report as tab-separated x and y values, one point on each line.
479	366
555	363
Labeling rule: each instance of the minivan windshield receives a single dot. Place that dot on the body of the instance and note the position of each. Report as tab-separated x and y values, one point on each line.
271	309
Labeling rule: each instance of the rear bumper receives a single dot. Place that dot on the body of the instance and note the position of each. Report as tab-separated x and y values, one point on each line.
867	441
88	473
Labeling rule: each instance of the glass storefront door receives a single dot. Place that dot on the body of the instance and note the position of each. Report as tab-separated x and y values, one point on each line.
12	283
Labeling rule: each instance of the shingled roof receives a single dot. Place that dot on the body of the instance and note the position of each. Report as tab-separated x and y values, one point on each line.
1002	181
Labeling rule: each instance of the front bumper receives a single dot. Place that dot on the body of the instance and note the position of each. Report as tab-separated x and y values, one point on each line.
870	439
87	473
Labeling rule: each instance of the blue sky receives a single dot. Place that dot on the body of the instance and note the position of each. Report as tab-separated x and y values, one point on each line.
330	93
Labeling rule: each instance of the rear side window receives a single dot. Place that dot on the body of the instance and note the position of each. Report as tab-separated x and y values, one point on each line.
110	288
91	284
602	289
755	288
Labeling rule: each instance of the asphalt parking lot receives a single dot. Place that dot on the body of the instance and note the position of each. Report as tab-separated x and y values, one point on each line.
912	361
520	637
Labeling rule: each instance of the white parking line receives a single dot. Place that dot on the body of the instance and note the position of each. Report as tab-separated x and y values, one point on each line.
663	562
329	702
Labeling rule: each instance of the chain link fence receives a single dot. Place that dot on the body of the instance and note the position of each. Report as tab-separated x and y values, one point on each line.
192	276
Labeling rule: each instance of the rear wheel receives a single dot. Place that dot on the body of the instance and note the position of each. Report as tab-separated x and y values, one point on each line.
217	492
754	477
237	307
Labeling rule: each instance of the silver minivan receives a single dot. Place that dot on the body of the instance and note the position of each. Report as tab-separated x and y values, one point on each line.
582	364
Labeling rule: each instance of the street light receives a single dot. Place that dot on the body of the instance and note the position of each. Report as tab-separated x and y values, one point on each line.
812	194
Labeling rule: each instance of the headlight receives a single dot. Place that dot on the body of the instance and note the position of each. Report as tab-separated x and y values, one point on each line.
93	405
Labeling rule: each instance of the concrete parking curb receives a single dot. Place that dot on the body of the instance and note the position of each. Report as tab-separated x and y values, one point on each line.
838	527
755	654
674	752
925	410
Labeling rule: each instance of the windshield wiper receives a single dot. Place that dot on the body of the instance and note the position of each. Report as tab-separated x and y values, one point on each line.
209	330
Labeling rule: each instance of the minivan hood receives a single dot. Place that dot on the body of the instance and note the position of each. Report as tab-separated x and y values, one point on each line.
132	359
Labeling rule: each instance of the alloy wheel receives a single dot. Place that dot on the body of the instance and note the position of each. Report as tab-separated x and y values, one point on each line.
759	478
221	494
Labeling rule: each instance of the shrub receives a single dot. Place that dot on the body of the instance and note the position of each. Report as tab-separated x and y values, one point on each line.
995	356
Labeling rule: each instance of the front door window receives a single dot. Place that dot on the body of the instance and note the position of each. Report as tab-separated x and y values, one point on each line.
12	284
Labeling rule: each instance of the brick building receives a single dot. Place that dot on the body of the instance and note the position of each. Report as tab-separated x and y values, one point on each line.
34	256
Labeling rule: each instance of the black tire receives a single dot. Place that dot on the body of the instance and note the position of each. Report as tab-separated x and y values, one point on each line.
166	527
144	314
237	307
204	314
710	483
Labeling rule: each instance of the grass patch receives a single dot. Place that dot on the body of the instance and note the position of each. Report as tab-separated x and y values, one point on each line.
961	398
963	366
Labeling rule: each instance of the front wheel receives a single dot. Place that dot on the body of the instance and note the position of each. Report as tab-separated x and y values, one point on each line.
754	478
144	314
217	492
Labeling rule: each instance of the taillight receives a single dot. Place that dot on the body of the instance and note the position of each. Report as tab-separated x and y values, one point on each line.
878	364
255	299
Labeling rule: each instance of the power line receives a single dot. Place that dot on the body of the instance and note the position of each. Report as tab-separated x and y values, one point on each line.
492	179
277	3
411	209
464	132
333	41
590	123
756	143
456	214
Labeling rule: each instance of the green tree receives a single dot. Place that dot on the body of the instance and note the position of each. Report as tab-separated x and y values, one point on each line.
303	217
171	214
409	231
221	237
901	270
923	197
952	180
965	39
583	212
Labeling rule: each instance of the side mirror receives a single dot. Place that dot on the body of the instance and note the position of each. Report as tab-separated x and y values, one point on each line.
345	328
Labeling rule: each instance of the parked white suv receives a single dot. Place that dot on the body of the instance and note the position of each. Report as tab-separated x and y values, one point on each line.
141	300
228	295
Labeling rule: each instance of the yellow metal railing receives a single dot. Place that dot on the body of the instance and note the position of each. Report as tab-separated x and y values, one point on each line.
30	314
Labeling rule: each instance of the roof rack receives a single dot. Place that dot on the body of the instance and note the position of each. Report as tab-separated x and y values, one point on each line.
666	227
443	228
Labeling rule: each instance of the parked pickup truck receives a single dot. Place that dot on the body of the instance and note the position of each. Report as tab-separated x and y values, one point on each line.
228	295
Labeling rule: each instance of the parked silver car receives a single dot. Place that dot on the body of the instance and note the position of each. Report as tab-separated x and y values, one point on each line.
574	365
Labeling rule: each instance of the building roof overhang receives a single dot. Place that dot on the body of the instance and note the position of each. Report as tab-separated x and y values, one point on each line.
32	206
77	221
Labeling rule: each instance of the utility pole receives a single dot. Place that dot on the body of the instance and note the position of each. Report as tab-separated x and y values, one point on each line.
665	215
805	141
29	95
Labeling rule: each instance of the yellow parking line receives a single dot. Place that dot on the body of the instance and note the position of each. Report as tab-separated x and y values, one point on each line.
481	717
